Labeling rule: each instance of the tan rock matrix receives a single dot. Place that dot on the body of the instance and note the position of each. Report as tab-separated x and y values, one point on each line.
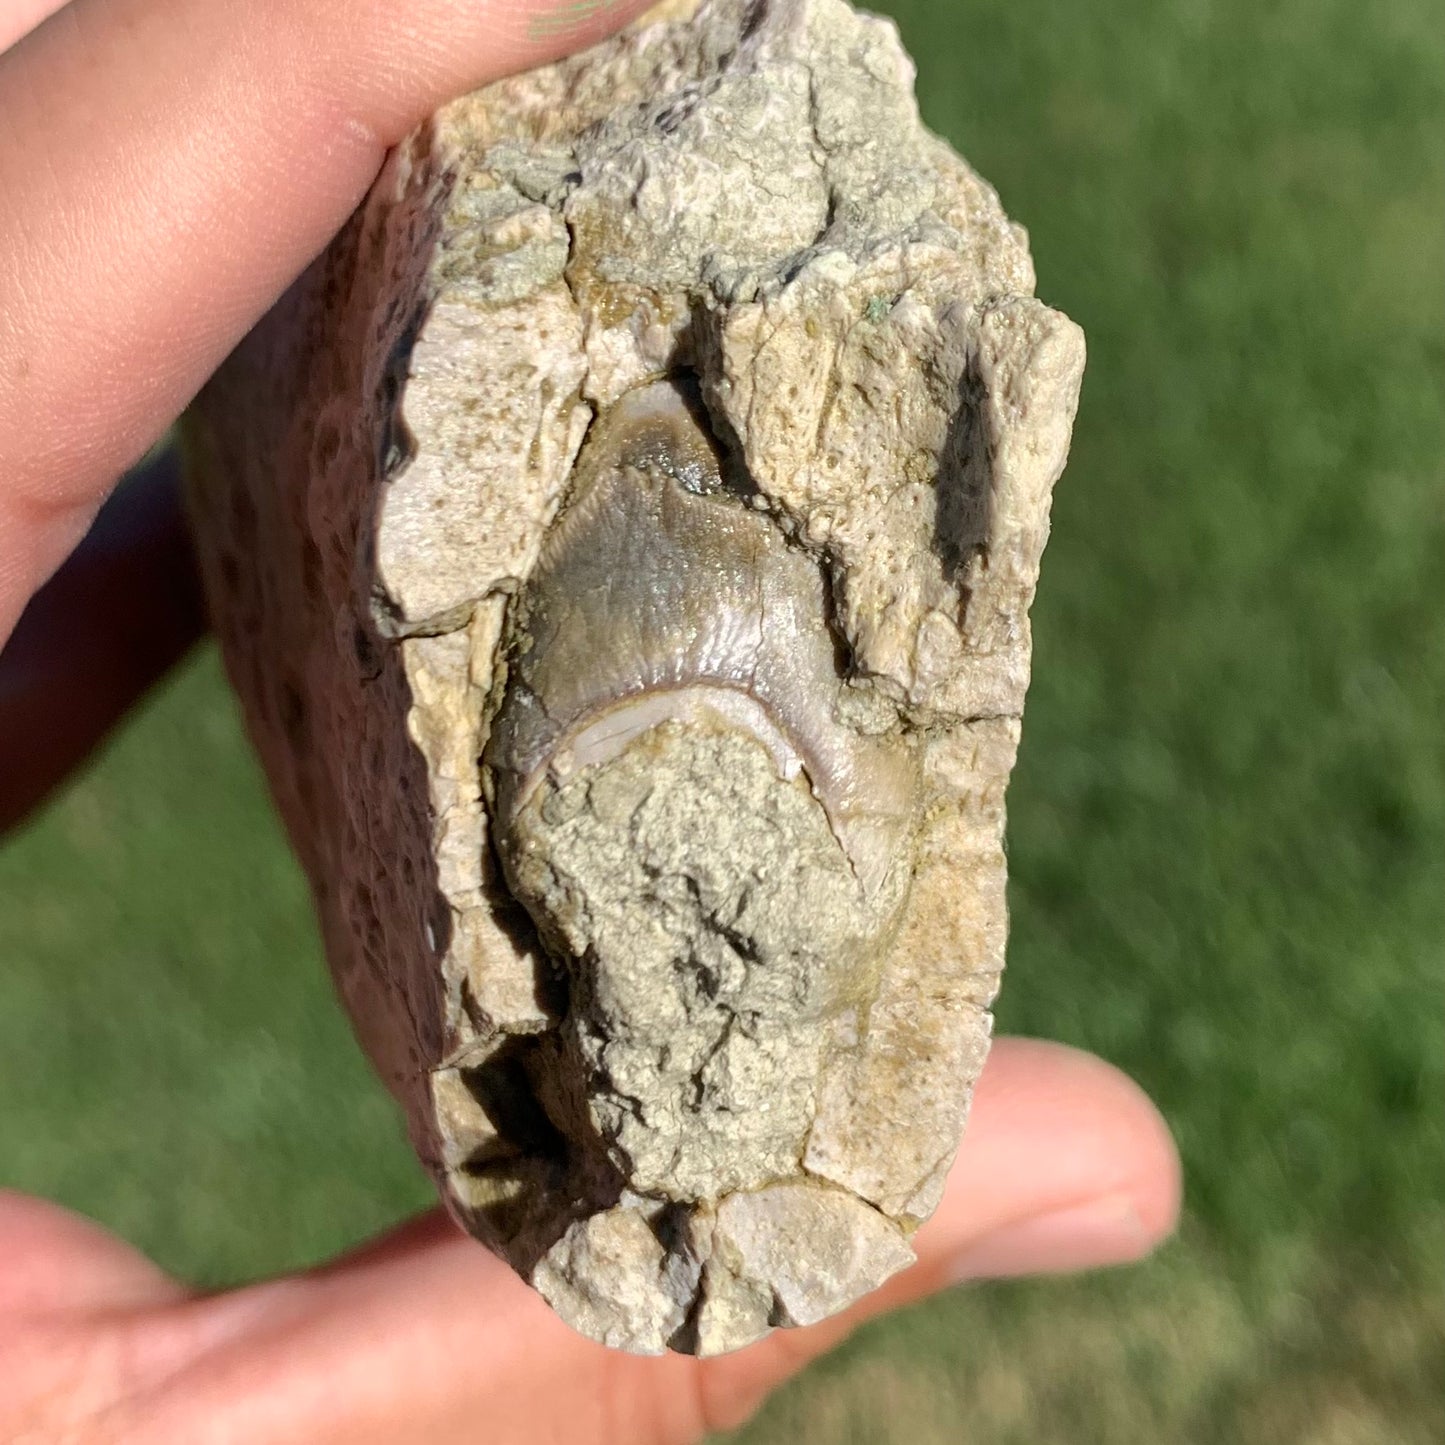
622	542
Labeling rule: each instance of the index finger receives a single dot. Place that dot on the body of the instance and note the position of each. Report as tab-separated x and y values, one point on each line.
167	167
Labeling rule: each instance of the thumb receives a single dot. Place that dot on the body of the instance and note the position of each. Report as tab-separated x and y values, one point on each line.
55	1263
421	1337
261	126
1066	1166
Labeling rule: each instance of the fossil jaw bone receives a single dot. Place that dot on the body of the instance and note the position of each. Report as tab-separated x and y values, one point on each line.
653	800
717	857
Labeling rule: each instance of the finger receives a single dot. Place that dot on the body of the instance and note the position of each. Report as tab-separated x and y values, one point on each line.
80	1310
168	167
425	1337
54	1262
124	608
1108	1151
20	17
1066	1165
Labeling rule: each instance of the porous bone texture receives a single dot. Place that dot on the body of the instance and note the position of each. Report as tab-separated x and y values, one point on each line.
622	541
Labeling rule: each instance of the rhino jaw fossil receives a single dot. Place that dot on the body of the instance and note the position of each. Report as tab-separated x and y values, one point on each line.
622	540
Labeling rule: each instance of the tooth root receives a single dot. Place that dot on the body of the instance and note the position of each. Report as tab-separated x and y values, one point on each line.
622	541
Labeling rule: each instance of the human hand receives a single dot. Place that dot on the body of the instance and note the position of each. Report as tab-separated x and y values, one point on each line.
424	1338
166	168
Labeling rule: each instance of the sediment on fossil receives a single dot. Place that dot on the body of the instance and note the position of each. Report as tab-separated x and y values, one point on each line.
651	791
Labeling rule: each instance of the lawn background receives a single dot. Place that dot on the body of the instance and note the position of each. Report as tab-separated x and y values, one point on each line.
1227	828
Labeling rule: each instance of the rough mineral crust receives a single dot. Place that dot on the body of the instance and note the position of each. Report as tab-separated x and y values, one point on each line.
622	540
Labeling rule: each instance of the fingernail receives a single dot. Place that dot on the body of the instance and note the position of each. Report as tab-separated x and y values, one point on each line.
1101	1231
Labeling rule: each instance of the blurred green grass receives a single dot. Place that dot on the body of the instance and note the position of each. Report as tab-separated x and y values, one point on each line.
1227	826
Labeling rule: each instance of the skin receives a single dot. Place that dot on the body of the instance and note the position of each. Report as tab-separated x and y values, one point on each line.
166	168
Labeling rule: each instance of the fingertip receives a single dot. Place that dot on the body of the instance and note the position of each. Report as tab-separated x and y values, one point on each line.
1133	1148
1066	1164
553	28
53	1260
1157	1186
1054	1126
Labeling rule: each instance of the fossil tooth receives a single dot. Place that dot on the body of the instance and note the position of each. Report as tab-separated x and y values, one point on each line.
622	541
660	593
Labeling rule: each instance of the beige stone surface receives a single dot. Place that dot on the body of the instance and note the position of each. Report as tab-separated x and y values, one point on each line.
622	541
